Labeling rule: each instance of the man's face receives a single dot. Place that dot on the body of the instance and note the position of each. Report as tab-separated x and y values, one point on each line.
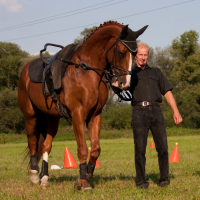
141	56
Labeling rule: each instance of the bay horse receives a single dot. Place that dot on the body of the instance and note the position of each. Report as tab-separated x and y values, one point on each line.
84	94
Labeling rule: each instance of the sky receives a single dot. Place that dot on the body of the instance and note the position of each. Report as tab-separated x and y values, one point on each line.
32	24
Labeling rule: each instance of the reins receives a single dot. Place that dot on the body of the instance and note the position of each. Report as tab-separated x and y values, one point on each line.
83	65
86	66
109	72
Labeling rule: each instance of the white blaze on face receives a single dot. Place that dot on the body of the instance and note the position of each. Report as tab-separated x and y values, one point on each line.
128	77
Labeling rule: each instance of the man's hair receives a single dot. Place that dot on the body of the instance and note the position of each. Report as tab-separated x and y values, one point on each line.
142	44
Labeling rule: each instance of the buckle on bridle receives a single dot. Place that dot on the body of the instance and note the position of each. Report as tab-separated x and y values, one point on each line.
145	103
111	73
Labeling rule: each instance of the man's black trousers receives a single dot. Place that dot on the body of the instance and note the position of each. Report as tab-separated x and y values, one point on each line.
145	119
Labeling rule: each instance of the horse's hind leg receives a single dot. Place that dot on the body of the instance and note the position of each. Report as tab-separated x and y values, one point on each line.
52	129
30	123
36	126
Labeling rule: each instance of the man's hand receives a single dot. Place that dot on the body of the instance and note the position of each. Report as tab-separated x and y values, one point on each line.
177	118
171	101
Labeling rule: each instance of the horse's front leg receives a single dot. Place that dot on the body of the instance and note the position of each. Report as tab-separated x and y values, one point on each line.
93	131
52	129
82	182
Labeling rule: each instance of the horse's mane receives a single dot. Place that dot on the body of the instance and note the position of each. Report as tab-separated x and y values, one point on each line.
108	23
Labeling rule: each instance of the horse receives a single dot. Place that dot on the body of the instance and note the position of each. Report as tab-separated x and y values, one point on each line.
110	49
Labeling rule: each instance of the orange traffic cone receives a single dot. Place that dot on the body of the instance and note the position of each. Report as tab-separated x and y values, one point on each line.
175	155
97	163
69	161
152	144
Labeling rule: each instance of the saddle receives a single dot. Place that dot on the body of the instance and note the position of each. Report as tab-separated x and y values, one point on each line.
51	74
49	71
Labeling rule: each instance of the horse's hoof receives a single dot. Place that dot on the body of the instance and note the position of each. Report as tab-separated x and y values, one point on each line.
34	179
44	182
34	183
88	189
77	184
82	184
44	186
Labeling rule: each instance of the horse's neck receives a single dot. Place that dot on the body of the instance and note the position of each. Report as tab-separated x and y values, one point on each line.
94	48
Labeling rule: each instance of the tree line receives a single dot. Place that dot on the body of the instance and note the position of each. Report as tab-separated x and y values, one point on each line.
179	61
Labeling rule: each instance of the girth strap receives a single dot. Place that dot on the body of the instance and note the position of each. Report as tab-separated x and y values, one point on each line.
62	111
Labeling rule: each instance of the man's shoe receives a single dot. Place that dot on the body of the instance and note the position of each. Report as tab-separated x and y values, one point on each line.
163	183
143	185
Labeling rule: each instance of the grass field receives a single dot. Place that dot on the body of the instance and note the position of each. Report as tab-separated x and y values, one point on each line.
114	180
67	134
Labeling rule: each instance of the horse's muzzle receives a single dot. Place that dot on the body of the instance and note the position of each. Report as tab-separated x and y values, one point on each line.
119	83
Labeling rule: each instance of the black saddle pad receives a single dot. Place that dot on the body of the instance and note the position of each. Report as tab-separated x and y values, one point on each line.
36	69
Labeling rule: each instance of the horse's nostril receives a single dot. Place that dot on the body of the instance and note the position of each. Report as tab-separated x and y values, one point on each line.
121	83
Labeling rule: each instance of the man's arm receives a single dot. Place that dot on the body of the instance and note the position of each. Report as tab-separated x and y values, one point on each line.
171	101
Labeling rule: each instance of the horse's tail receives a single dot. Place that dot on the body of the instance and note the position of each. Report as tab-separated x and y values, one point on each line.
40	145
27	152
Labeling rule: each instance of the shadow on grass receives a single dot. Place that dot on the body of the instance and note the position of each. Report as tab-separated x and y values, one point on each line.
95	180
156	176
197	173
98	179
61	179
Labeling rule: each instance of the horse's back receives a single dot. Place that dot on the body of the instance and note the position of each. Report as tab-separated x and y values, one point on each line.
30	94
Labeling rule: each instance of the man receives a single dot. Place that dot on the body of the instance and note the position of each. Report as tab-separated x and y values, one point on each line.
147	87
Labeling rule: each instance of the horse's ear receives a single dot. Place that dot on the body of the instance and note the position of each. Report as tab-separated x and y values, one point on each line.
124	32
139	32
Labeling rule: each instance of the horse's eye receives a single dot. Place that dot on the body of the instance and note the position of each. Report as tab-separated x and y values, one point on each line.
121	54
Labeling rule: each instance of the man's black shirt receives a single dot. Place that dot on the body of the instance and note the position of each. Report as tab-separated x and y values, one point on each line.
148	84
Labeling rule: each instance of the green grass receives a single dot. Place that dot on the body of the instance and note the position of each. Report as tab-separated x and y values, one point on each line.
67	133
114	180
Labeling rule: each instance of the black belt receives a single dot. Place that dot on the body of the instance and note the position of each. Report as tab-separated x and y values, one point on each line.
146	103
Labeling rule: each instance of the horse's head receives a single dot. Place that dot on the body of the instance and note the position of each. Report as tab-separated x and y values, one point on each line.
121	58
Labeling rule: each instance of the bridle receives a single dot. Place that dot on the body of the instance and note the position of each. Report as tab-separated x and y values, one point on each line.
111	73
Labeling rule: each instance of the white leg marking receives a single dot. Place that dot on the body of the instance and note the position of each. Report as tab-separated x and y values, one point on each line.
44	180
45	156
